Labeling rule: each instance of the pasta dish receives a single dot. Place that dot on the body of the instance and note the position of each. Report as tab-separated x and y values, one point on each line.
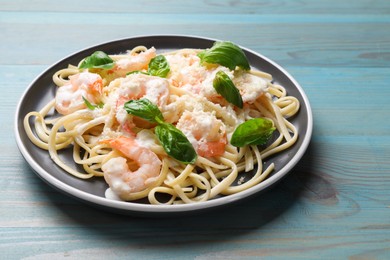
173	128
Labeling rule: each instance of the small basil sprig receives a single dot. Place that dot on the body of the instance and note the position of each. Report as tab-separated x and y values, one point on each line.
91	106
174	142
226	88
98	60
256	131
226	54
158	66
145	109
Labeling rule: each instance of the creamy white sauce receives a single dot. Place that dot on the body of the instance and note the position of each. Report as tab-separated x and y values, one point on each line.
111	195
146	138
250	86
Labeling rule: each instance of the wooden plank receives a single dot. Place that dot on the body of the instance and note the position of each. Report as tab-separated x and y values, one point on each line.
109	18
202	7
318	44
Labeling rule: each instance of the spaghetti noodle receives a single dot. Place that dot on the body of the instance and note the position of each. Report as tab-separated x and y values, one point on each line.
89	114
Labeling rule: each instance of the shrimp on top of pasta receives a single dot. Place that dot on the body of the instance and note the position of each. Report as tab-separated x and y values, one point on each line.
177	127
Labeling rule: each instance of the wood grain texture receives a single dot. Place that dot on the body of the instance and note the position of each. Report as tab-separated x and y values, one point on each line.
335	204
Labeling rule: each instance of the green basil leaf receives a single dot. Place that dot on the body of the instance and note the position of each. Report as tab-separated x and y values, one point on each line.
91	106
255	131
175	143
145	109
226	54
98	60
226	88
100	105
158	66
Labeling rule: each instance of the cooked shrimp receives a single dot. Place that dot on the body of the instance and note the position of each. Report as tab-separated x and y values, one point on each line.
250	86
206	133
187	73
117	173
69	98
133	62
137	86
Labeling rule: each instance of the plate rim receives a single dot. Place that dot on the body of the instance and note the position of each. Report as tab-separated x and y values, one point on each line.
137	208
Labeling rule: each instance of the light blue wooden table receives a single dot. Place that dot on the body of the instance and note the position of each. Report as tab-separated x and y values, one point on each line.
334	205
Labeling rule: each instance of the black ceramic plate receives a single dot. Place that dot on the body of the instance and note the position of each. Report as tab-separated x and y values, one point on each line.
42	90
